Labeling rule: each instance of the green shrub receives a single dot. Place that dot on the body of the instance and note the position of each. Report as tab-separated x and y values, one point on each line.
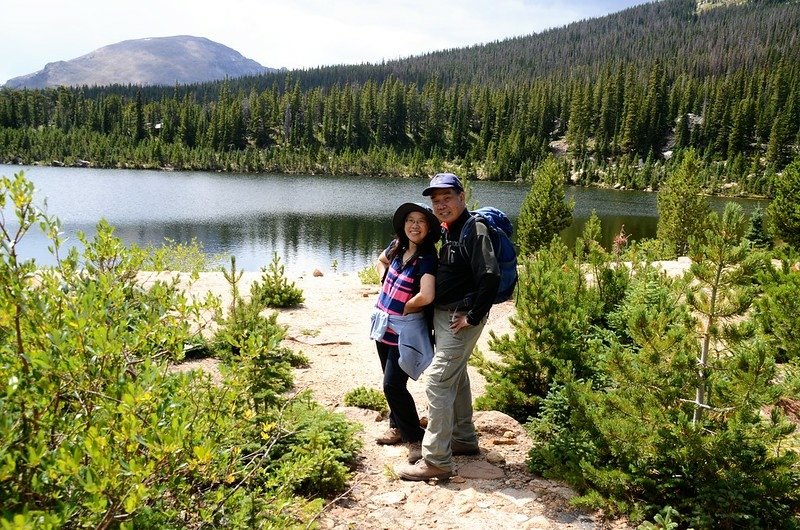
554	314
776	313
626	438
274	290
184	257
366	398
369	276
648	250
97	431
249	338
314	459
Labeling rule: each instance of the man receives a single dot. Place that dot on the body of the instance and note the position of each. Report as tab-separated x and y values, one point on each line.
466	284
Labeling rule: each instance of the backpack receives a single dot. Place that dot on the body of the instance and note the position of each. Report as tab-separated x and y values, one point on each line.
500	231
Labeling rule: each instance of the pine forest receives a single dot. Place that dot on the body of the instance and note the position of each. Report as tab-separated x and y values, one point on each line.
618	95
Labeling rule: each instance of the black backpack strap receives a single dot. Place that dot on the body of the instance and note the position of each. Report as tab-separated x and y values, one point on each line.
469	225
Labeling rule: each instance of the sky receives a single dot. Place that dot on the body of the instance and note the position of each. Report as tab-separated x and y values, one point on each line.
279	33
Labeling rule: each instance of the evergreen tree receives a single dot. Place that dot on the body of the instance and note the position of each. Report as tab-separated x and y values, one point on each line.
784	210
554	312
579	121
779	138
544	211
724	268
739	137
682	133
682	209
138	131
776	312
625	436
757	232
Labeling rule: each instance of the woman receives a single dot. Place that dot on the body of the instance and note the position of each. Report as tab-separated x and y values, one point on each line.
399	325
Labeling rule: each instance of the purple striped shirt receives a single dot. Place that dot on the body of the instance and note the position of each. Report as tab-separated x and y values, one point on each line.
400	285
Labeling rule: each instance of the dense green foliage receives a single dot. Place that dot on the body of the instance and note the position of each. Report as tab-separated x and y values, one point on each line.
274	289
369	275
682	209
622	90
96	428
183	257
606	367
776	311
784	210
544	211
554	312
366	398
724	268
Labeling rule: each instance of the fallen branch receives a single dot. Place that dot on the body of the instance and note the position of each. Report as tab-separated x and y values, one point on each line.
331	343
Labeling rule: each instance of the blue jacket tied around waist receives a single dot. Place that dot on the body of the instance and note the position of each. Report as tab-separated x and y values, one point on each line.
414	344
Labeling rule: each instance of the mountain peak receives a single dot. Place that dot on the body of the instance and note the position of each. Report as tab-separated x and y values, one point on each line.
181	59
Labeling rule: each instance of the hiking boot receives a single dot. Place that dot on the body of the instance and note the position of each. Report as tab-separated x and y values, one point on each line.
422	470
390	437
414	452
463	449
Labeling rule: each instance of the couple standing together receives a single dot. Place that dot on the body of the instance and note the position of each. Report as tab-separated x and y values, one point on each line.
456	288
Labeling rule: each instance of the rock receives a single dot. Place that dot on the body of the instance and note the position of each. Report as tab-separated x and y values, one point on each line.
390	498
496	423
481	470
518	497
539	521
416	505
493	457
318	273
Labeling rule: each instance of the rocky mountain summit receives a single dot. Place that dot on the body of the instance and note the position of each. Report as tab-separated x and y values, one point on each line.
180	59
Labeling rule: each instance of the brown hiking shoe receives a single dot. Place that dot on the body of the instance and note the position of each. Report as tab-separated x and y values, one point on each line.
462	449
422	470
414	452
390	437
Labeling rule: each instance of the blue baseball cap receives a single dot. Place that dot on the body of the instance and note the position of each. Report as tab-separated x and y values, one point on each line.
442	181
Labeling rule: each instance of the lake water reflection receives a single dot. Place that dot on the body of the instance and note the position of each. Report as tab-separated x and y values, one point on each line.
310	221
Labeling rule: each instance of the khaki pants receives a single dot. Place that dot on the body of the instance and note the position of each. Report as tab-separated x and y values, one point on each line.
448	391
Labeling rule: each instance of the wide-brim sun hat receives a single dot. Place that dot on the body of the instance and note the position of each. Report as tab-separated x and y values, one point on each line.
399	218
441	181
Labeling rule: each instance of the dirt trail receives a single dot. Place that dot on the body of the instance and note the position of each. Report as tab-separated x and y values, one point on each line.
491	491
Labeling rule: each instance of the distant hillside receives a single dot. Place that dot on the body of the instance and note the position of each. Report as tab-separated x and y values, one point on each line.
620	97
699	38
155	61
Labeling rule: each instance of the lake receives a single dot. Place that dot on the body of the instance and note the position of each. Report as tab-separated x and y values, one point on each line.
311	221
